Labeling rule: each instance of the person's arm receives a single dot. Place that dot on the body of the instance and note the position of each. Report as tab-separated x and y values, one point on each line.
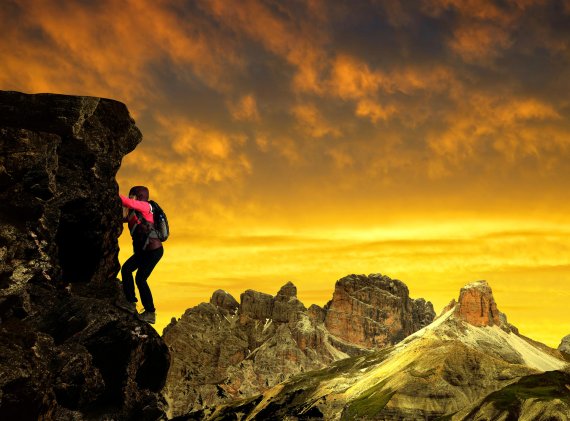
138	205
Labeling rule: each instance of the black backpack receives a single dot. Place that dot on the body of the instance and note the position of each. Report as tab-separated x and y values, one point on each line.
160	221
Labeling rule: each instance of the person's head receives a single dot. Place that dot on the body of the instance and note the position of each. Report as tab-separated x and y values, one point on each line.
139	193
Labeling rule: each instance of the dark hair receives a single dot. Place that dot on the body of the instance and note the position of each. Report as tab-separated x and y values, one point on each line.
141	192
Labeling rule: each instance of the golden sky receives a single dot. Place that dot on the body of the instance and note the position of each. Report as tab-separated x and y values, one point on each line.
306	140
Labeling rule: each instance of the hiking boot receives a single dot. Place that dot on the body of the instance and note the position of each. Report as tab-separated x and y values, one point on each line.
127	305
148	316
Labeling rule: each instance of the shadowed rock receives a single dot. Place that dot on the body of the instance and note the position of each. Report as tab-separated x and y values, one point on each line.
67	352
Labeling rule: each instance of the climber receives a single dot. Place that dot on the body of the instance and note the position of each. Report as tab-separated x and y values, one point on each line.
148	250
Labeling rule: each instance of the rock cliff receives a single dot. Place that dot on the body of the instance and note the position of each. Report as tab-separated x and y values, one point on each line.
375	311
477	306
223	350
65	351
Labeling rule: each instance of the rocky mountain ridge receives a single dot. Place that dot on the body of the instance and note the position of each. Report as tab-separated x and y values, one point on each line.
66	352
452	368
223	350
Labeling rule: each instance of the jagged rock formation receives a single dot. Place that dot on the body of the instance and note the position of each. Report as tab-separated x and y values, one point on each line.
452	368
223	350
375	311
65	351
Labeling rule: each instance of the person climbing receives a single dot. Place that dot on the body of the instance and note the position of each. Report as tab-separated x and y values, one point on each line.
148	250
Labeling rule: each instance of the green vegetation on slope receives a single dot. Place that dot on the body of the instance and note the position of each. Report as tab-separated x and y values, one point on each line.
542	387
369	403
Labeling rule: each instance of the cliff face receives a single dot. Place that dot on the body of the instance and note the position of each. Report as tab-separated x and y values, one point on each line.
477	306
66	351
375	311
225	350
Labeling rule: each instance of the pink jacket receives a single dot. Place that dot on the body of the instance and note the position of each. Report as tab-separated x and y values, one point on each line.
138	205
145	209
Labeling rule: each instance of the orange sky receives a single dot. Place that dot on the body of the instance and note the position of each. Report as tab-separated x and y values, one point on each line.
306	140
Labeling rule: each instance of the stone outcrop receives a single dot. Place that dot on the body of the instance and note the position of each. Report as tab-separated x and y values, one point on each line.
375	311
66	351
477	306
224	300
223	350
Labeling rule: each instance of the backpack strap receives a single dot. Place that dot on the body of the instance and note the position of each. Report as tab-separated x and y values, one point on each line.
152	232
137	215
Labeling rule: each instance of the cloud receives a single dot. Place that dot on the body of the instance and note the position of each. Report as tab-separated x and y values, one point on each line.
380	96
483	10
106	48
289	149
342	159
512	128
204	154
523	110
245	109
484	31
478	42
281	145
374	111
281	30
312	121
353	79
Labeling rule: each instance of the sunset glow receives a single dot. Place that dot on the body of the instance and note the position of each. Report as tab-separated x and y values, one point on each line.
307	140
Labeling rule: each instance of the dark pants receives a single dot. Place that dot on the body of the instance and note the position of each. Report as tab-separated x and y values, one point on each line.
143	262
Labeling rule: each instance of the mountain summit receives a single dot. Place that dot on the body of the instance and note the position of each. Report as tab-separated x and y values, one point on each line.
468	364
477	306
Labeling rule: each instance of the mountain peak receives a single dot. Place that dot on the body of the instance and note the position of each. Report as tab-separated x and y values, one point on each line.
375	311
477	306
288	290
224	299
